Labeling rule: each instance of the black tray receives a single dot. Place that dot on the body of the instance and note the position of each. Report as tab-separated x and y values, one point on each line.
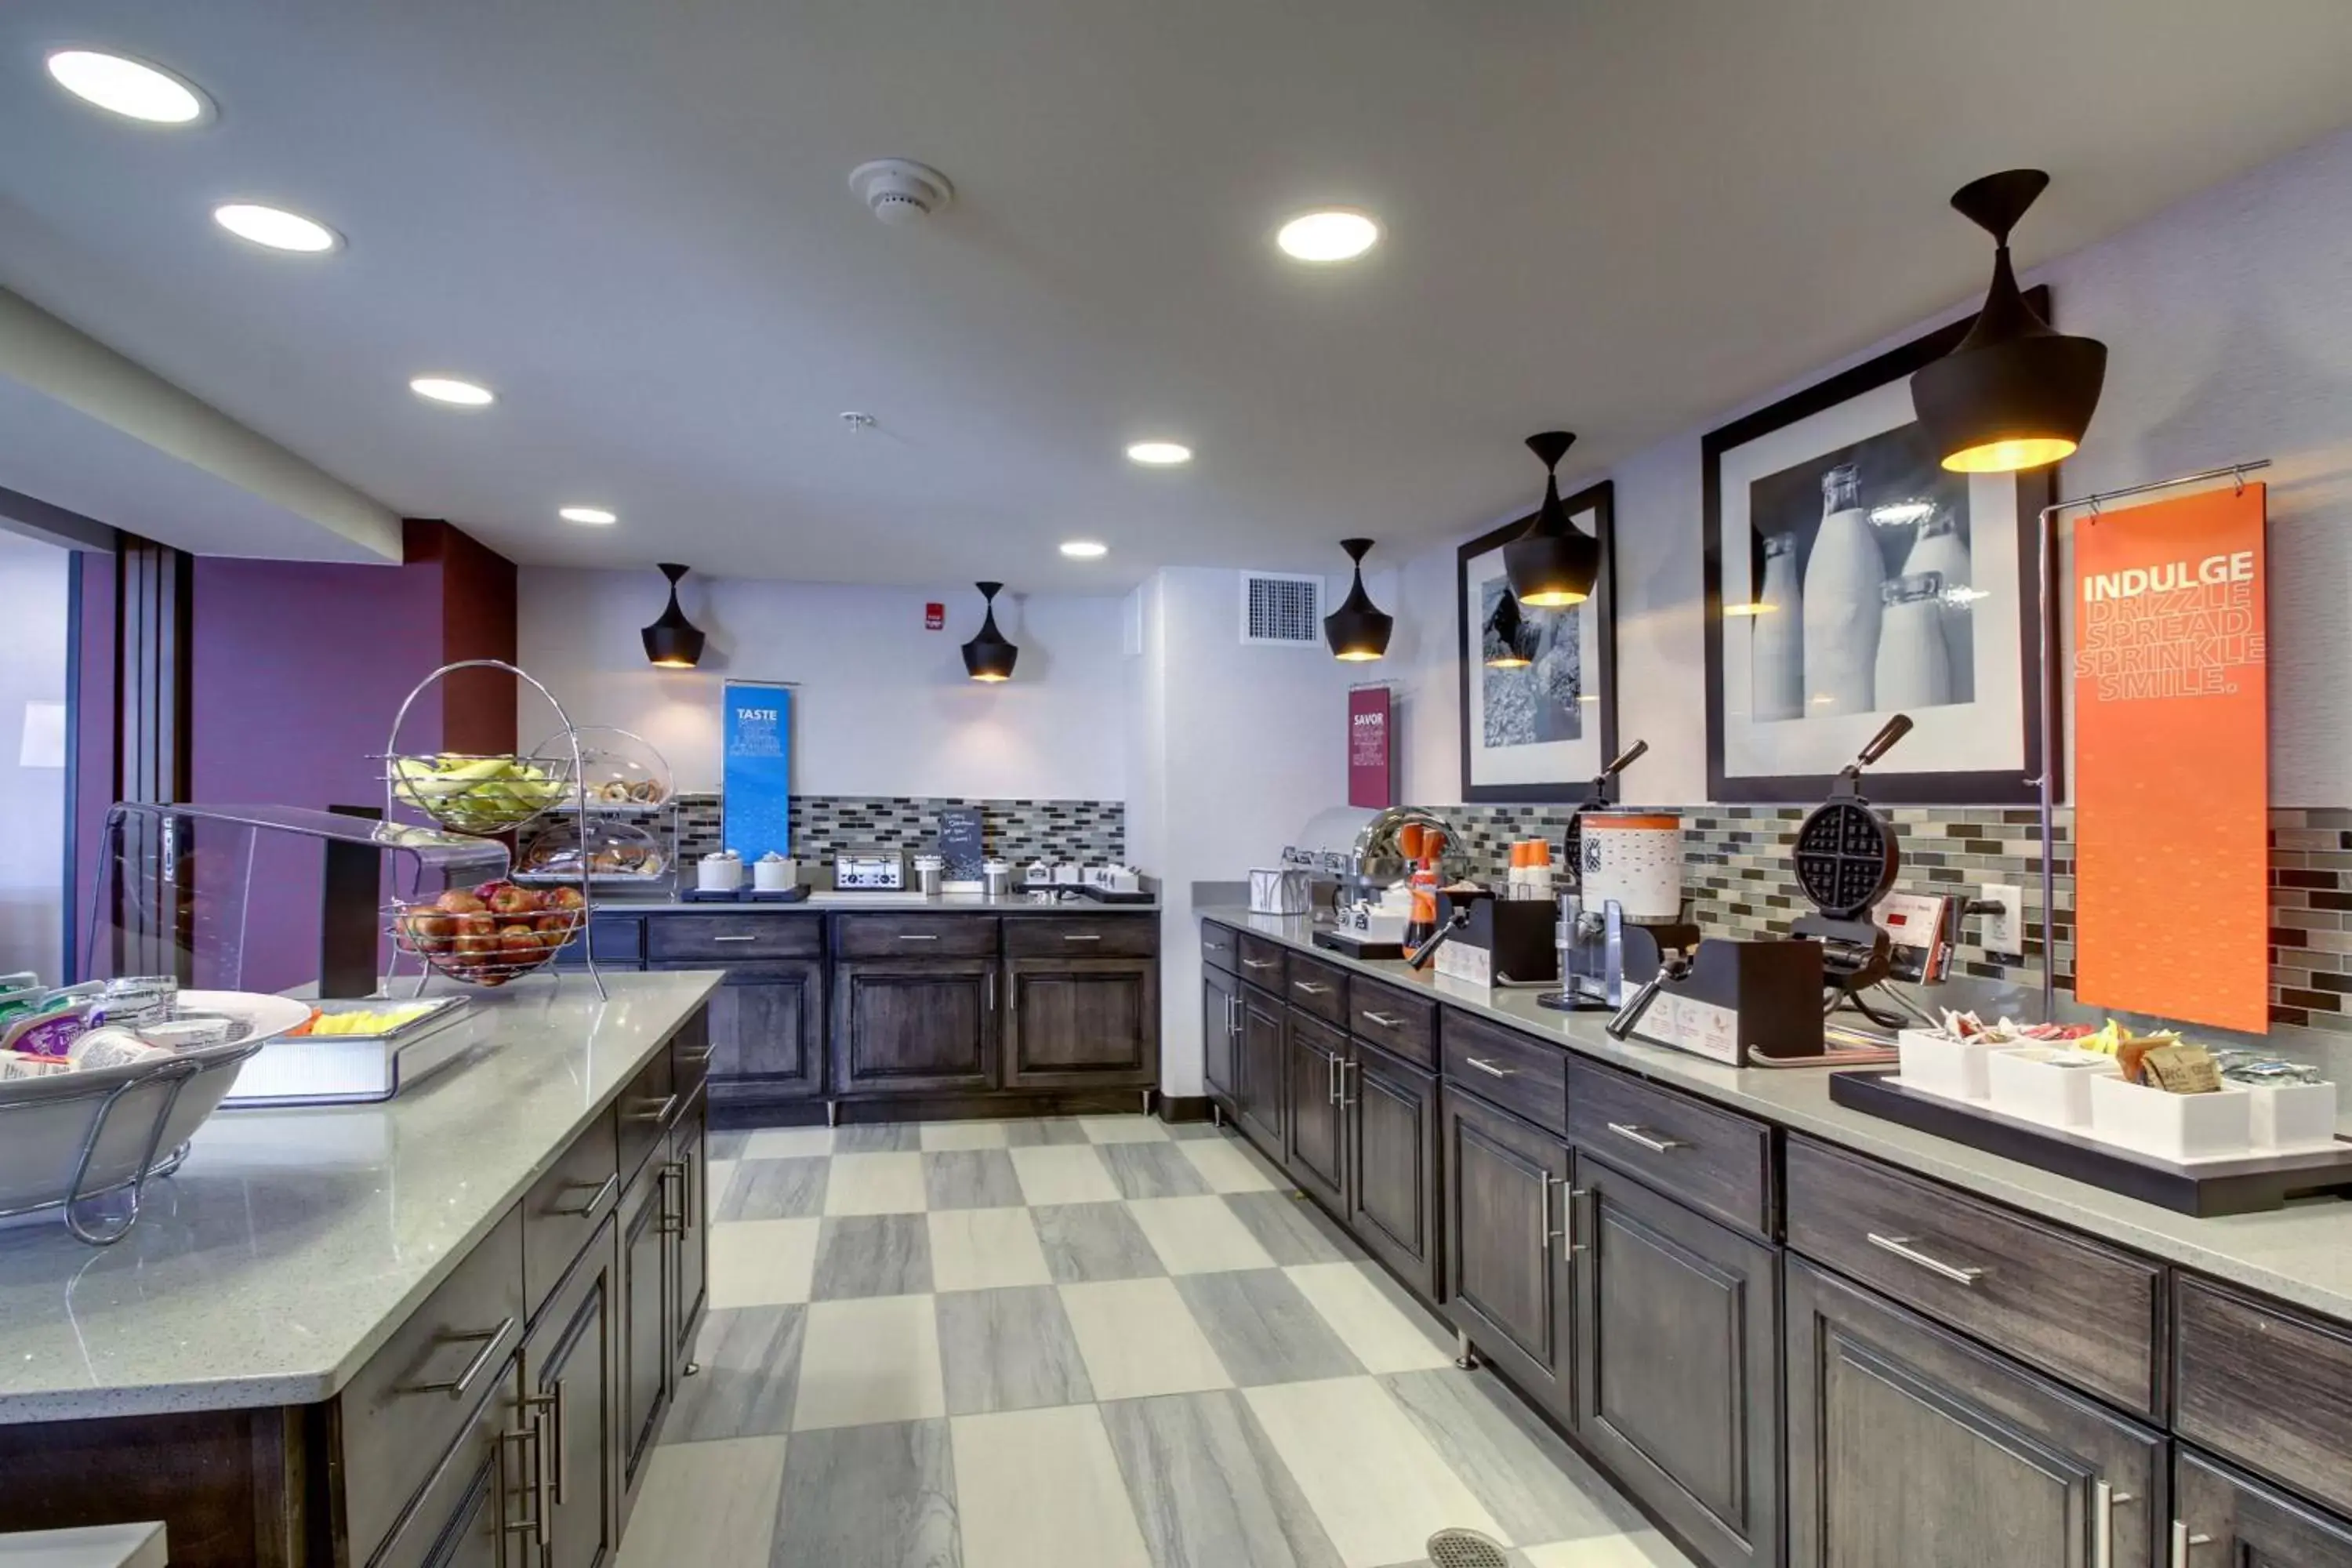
1363	948
1114	895
792	895
2206	1189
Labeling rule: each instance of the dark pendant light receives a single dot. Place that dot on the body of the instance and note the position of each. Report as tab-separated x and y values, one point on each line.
1554	562
1505	636
1357	630
673	642
988	656
2015	394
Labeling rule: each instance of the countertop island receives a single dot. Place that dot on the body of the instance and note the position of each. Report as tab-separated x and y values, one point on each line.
832	901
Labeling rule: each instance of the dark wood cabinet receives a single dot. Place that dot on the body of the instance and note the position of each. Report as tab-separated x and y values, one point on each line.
1221	1029
767	1033
461	1518
1678	1347
570	1404
1392	1159
1507	1274
644	1379
1315	1150
900	1027
1906	1444
2224	1519
687	1228
1263	1055
1081	1023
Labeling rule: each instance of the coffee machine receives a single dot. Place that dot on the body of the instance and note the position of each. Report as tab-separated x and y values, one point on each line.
1623	914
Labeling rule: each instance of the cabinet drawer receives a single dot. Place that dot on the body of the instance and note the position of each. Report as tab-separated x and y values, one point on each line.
2265	1386
459	1517
1521	1075
1710	1159
416	1395
1220	946
619	940
564	1206
733	938
1316	987
1080	936
1263	962
645	1111
1397	1021
2083	1311
916	936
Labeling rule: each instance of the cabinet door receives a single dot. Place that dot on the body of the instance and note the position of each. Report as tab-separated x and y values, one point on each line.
460	1519
1258	1097
1221	1030
1315	1152
767	1033
1392	1164
2227	1520
568	1365
1507	1265
1908	1445
915	1028
690	1234
1081	1023
645	1375
1678	1362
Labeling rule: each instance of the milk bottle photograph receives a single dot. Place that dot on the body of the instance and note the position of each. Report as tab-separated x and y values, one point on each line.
1914	668
1941	549
1776	647
1842	581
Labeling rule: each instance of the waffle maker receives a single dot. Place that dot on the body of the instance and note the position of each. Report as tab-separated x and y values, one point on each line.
1846	859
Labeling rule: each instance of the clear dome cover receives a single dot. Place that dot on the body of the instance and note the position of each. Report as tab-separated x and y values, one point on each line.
623	771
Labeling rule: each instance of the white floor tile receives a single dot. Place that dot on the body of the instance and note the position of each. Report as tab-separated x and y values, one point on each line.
980	1249
940	1135
1642	1549
1041	1489
1372	1479
788	1142
1138	1338
1124	1129
875	1184
716	1174
1367	1323
762	1262
1198	1235
870	1361
1058	1174
1224	1166
710	1504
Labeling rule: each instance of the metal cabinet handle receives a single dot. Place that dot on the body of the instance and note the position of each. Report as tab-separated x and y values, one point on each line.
659	1113
1578	1236
535	1524
696	1059
1233	1015
595	1201
1383	1020
917	936
1259	963
1483	1065
1310	988
672	1224
746	936
2105	1500
1900	1246
1345	1068
1544	1235
1646	1139
1068	936
488	1338
2182	1541
989	992
1331	1079
551	1451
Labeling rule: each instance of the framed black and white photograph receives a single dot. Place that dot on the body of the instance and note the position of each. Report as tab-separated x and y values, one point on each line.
1538	686
1850	577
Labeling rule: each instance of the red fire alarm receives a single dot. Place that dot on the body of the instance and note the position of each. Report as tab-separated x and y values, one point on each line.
935	616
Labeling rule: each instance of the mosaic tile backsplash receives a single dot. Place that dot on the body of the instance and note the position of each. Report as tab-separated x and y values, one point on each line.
1091	832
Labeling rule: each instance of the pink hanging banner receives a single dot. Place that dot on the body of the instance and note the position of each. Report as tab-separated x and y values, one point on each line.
1371	749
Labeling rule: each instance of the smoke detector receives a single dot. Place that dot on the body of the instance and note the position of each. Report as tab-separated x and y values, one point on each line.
899	190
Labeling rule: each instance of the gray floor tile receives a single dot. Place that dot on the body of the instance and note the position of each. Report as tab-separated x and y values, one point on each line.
1209	1491
1293	1229
872	1255
750	1359
1535	1487
1009	1350
1152	1170
1037	1133
878	1138
1086	1242
775	1189
727	1143
1180	1130
1263	1329
970	1179
868	1496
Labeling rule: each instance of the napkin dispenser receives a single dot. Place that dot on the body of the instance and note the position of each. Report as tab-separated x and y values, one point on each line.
1505	941
1732	1001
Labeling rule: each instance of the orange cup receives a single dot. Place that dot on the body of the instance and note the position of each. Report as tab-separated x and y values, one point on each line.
1408	840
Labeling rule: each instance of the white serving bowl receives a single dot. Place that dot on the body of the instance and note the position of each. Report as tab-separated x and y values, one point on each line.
2025	1081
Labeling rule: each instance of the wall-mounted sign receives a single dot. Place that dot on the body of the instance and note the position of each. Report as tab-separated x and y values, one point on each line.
755	759
1371	748
935	618
2173	761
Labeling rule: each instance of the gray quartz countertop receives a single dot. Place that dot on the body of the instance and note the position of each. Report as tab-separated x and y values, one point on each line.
2302	1253
292	1243
828	902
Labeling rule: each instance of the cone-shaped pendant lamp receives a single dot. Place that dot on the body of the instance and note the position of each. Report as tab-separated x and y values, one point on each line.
1357	630
988	656
1554	562
673	642
1505	637
2015	394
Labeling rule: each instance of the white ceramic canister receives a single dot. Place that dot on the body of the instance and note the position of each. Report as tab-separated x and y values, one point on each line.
1843	577
1636	859
1776	636
721	871
771	873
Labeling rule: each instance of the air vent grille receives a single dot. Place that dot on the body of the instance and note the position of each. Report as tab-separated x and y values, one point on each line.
1279	607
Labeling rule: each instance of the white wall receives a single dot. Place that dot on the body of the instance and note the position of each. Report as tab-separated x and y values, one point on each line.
884	707
2228	320
33	585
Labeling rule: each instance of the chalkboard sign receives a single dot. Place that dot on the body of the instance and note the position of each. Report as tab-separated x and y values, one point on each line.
959	843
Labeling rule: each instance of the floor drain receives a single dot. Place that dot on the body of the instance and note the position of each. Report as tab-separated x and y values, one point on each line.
1464	1549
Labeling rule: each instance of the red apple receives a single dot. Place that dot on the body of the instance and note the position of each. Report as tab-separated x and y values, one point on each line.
519	944
458	901
510	899
561	898
476	945
478	925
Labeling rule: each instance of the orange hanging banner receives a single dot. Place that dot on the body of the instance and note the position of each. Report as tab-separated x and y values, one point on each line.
2173	761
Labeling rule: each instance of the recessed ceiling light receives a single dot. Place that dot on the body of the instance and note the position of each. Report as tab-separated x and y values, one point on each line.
276	228
593	516
132	88
1084	549
1159	454
1331	235
449	389
1759	607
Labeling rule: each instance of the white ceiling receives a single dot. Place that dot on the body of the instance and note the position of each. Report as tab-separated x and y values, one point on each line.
632	219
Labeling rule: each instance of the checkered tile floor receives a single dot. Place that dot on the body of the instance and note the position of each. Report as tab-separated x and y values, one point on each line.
1100	1342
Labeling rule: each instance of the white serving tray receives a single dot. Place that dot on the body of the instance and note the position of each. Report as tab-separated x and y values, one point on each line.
354	1069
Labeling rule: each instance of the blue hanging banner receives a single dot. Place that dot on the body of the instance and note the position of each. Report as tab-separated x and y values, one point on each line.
756	755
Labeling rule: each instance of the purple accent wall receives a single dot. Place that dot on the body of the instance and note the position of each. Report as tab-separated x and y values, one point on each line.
94	784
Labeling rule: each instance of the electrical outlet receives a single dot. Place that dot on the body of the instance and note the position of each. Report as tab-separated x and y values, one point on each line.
2004	933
